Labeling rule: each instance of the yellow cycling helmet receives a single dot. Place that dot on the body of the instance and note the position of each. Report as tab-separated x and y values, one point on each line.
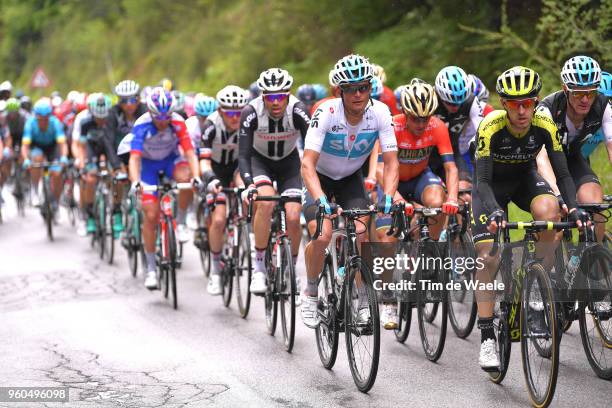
518	82
167	84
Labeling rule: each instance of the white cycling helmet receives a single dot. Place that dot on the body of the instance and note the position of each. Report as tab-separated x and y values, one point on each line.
275	80
331	80
352	68
581	71
6	86
127	88
233	97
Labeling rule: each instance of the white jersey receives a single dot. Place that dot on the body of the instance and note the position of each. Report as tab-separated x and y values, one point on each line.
194	130
217	142
471	127
275	139
344	148
76	128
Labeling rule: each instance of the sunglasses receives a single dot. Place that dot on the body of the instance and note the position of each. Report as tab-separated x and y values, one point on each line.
277	97
231	113
515	104
356	88
418	119
129	101
162	117
590	93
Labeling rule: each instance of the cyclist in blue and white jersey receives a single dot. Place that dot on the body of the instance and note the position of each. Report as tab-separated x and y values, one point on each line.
204	106
589	145
343	131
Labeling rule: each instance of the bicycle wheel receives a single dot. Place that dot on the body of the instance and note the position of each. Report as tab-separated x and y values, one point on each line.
172	250
432	325
47	210
109	237
286	286
101	227
504	343
538	333
404	320
132	228
327	332
270	301
461	303
163	260
204	250
362	325
243	269
595	317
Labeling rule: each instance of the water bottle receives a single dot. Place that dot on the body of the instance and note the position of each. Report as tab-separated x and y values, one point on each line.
340	276
570	270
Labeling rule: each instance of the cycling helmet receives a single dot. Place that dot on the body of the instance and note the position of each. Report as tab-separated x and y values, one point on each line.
453	85
160	103
19	93
398	96
72	96
127	88
581	71
99	105
416	80
179	100
167	84
379	72
320	91
352	68
6	86
419	99
331	80
42	107
518	83
13	105
274	80
478	88
605	86
205	105
26	103
56	101
377	88
232	97
254	90
307	94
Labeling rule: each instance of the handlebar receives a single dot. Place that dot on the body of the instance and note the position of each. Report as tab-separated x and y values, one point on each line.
350	214
173	186
532	226
278	198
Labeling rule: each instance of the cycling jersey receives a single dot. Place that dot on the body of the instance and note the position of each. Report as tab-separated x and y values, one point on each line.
590	144
271	139
218	144
344	148
501	156
76	128
388	98
194	130
16	124
572	138
119	123
414	151
154	144
36	137
98	140
318	103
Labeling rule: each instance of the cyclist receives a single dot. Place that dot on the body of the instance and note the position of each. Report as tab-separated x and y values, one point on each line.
43	138
155	139
508	142
6	90
26	103
462	112
386	94
320	91
254	91
96	139
179	97
588	147
269	129
15	122
342	134
579	111
307	95
204	106
478	88
124	113
219	165
417	133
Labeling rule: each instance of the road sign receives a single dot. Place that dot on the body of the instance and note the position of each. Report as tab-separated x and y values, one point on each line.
40	79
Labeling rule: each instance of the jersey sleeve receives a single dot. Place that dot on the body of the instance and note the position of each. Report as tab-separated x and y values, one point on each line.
139	131
60	136
386	134
492	124
443	143
606	122
301	118
208	135
248	125
27	132
180	129
315	136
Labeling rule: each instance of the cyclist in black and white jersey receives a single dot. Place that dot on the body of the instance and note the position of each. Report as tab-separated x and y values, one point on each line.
123	115
270	127
219	165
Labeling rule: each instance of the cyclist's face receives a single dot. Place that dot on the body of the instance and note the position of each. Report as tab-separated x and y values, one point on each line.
451	107
231	118
129	105
276	104
355	97
161	124
581	99
43	122
520	113
416	125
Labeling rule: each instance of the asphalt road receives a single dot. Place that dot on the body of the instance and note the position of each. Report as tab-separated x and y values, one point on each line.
69	319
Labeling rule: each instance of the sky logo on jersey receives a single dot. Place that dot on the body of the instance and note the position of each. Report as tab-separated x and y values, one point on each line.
338	145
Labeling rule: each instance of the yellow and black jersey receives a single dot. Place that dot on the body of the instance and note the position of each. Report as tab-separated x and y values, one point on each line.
503	156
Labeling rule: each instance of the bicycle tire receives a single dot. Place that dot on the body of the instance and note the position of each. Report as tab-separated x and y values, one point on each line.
504	343
327	332
462	313
132	229
286	286
243	269
204	252
404	320
101	227
597	341
433	346
270	302
162	258
109	237
536	275
48	211
172	250
371	328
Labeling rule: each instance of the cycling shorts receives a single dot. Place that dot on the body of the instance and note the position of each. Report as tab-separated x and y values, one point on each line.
150	169
49	153
286	173
581	171
225	174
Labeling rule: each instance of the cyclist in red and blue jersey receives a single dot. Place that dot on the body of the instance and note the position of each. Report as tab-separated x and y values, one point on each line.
155	139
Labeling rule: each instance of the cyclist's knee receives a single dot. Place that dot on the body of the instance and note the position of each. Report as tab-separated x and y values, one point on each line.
590	193
433	196
545	208
182	174
265	208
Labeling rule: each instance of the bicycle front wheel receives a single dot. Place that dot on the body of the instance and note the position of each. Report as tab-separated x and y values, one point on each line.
504	343
327	331
286	287
109	237
539	333
243	270
47	209
362	325
461	302
172	257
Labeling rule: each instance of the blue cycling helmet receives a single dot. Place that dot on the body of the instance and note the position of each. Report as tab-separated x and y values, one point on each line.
307	94
320	90
254	90
581	71
478	88
605	86
42	107
377	88
352	68
453	85
205	105
398	96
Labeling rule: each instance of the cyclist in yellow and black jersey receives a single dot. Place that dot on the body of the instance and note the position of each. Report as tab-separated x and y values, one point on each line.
508	142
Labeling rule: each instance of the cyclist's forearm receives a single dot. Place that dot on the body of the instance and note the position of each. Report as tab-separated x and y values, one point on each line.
193	162
64	149
546	171
609	149
452	180
134	167
390	173
310	177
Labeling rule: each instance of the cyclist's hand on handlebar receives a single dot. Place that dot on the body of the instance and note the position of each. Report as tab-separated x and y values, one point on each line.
196	182
136	187
370	184
27	163
214	186
562	205
250	190
385	203
323	203
450	207
495	220
578	216
64	160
